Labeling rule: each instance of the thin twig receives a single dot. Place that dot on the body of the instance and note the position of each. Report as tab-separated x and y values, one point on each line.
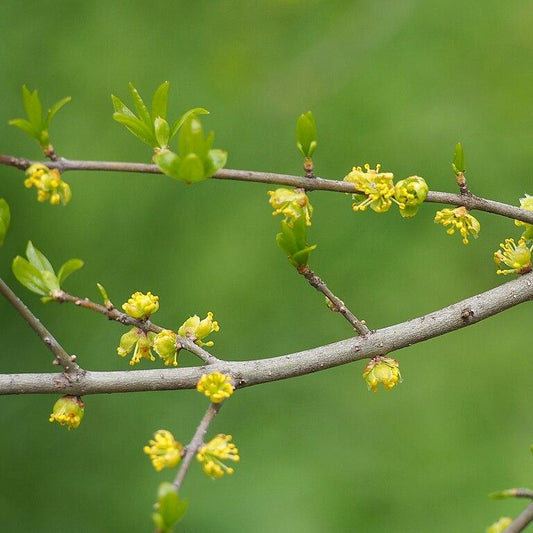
338	304
196	442
522	520
471	202
146	325
61	356
248	373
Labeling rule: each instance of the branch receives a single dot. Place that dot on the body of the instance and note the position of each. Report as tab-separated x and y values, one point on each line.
338	304
61	356
471	202
114	314
196	442
522	520
248	373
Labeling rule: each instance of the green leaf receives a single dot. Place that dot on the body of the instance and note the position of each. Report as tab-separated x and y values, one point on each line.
54	109
160	101
162	131
306	134
142	110
301	258
137	127
215	160
170	507
191	169
5	219
191	138
458	164
29	276
33	107
50	280
103	292
120	107
179	123
169	163
25	126
68	268
38	259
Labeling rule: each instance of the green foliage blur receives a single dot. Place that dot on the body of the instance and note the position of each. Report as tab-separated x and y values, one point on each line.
396	83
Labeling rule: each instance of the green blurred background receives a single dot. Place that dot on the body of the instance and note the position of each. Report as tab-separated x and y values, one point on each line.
395	82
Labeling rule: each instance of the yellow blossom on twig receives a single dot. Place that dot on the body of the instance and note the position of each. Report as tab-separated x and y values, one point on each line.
68	411
216	386
48	183
165	346
212	455
164	450
515	256
292	204
459	219
384	370
140	342
141	306
196	329
375	188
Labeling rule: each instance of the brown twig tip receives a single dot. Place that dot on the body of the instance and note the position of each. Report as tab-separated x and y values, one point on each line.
336	303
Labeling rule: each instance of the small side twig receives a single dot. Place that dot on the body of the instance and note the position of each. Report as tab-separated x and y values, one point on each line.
521	521
61	356
337	304
196	442
113	313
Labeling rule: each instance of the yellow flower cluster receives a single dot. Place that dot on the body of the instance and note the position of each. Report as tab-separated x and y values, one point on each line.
48	183
212	455
376	189
216	386
196	329
141	306
166	348
164	450
459	219
140	342
516	256
500	526
292	204
384	370
68	411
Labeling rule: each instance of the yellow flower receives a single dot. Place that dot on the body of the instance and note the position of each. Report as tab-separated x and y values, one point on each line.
292	204
216	386
141	305
500	526
384	370
140	342
48	183
515	256
164	450
410	193
68	411
165	346
212	455
458	219
196	329
527	204
375	188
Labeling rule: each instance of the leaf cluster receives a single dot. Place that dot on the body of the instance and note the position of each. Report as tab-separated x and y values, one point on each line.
37	274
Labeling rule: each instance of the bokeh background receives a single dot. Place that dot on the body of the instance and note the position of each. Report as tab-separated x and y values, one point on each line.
395	82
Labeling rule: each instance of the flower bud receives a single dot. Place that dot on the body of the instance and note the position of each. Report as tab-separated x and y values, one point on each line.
141	306
410	193
68	411
216	386
48	183
384	370
165	346
500	526
196	329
